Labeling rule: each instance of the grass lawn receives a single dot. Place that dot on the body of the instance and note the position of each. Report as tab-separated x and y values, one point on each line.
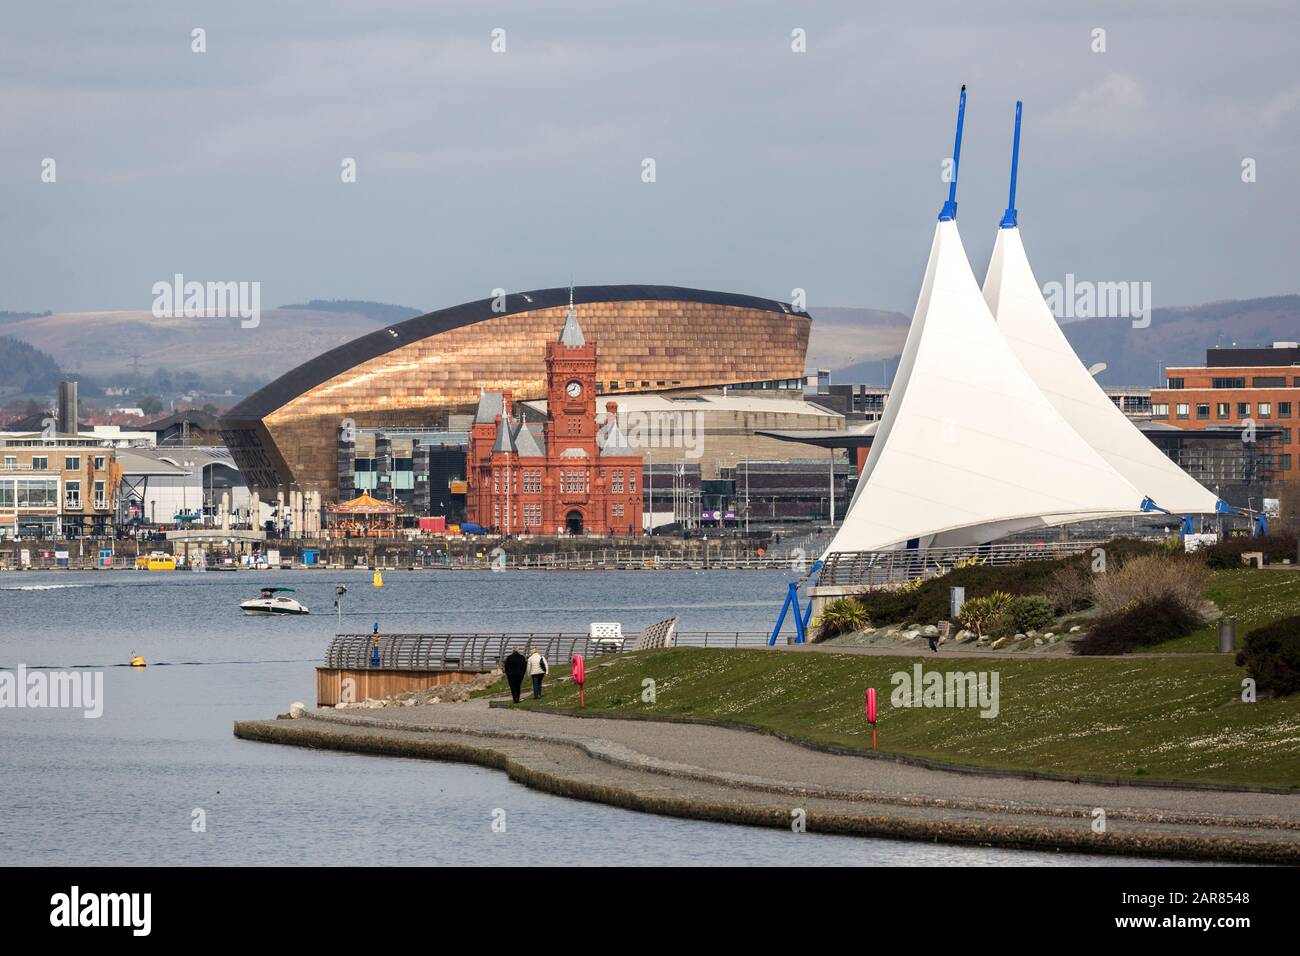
1255	596
1177	718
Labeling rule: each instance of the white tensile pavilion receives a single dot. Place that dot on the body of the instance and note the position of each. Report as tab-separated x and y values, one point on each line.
993	425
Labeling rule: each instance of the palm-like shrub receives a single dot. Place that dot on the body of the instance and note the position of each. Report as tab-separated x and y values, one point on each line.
842	615
987	616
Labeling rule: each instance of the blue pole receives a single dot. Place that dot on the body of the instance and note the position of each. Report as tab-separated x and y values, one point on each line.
949	210
1009	217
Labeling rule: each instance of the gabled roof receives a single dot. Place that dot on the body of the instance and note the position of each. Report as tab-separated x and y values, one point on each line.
530	440
614	441
1013	295
490	405
969	448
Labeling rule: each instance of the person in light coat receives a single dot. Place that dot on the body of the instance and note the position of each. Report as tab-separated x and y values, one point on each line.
536	670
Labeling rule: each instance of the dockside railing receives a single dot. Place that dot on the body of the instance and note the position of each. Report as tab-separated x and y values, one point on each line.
884	568
484	652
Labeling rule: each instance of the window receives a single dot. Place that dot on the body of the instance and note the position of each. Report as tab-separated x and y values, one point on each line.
72	494
1175	383
1228	382
573	481
533	482
1284	462
101	502
11	462
1268	381
1159	410
1283	409
631	482
6	496
40	463
532	516
1202	409
1223	410
1243	409
616	481
1264	409
99	462
72	463
38	493
1183	409
616	511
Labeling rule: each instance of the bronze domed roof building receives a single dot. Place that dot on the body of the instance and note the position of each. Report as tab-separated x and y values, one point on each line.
421	371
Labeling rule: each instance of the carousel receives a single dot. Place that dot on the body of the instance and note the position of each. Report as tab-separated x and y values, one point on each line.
364	517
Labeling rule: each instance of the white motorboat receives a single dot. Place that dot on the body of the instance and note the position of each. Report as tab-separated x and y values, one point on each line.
273	601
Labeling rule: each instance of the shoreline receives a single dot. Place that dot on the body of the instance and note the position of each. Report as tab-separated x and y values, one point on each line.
637	765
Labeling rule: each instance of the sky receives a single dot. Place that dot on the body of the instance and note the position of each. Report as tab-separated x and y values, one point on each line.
775	170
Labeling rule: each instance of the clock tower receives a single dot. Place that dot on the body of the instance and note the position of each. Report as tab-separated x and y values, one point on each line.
571	392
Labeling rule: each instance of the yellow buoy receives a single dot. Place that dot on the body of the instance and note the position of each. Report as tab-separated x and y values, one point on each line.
138	661
379	579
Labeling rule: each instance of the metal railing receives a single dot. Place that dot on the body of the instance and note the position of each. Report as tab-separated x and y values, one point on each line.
881	568
484	652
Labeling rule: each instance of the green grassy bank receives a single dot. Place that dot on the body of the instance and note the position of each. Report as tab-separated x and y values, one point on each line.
1174	718
1254	597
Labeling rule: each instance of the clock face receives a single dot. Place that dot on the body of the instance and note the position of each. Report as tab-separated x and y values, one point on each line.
573	389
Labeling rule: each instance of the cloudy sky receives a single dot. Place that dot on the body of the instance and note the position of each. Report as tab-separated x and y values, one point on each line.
774	169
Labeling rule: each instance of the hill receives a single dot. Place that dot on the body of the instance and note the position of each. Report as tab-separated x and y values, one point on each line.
26	370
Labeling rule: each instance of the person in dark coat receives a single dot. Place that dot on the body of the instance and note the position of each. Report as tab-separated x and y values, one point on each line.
515	666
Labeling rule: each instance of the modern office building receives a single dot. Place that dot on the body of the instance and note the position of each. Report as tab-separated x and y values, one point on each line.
1253	393
57	486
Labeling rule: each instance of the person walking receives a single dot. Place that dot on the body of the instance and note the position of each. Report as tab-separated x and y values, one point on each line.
515	667
536	670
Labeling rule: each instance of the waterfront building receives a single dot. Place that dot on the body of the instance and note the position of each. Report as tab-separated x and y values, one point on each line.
425	371
57	485
561	475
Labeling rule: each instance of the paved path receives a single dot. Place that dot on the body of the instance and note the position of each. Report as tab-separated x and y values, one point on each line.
737	776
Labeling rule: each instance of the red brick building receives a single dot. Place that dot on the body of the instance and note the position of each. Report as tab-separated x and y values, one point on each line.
1236	386
562	475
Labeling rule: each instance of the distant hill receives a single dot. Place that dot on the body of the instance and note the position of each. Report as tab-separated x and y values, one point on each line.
24	369
19	316
381	312
1176	336
845	338
107	345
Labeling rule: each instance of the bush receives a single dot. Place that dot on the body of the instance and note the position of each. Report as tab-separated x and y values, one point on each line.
1070	589
987	616
1271	655
1145	578
928	600
840	616
1030	613
1142	624
1227	554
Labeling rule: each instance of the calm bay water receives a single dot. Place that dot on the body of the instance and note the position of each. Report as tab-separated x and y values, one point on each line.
122	789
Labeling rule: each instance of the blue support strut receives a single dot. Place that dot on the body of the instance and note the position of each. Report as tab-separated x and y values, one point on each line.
949	210
1009	217
800	618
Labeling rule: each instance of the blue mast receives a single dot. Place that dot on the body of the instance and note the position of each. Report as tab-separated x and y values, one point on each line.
1009	217
949	210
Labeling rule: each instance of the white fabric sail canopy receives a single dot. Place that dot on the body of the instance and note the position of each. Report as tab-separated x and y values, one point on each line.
1032	332
969	449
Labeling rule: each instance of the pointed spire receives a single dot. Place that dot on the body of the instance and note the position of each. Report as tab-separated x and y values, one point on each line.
571	335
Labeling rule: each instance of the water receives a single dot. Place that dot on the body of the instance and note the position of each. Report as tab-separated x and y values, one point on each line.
124	789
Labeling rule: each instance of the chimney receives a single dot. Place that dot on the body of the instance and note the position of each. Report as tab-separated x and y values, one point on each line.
66	418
